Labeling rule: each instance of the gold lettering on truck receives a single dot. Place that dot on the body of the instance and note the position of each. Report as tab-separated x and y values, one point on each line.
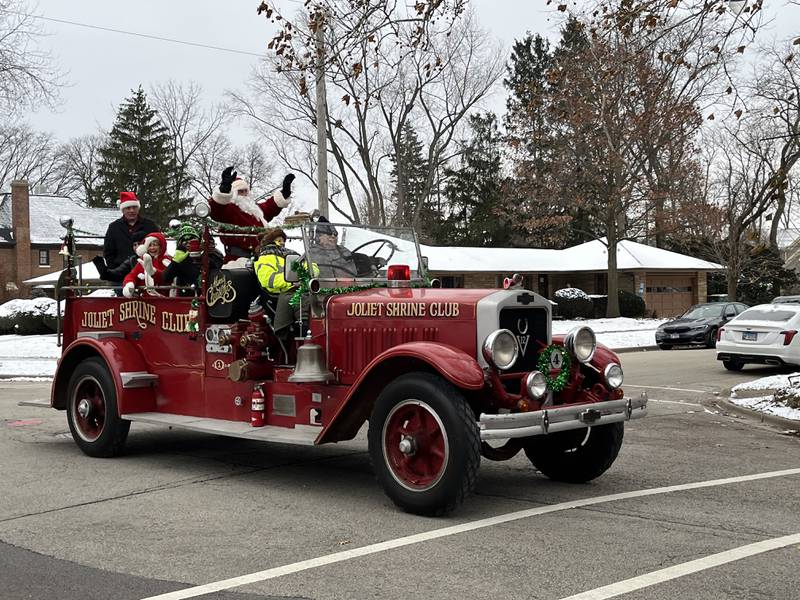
438	310
143	312
98	320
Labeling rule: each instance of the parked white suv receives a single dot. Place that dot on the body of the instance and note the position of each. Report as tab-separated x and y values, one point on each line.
765	334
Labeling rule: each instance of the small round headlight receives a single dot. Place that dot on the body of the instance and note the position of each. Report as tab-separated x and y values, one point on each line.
65	221
501	349
536	385
613	376
201	209
581	343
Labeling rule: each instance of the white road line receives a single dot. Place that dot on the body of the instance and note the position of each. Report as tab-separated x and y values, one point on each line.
675	402
659	387
687	568
426	536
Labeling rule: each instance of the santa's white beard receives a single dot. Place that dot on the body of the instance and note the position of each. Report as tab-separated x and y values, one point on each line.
248	204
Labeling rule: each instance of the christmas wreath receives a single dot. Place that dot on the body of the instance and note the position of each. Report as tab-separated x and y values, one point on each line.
558	382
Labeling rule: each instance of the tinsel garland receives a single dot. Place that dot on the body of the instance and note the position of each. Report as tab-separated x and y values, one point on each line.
559	382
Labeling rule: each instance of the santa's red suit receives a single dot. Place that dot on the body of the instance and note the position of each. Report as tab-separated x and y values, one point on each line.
239	208
148	270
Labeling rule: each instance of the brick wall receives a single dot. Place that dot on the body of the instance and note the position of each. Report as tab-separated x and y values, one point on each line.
21	220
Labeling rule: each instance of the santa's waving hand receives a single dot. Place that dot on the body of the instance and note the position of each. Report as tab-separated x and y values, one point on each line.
232	203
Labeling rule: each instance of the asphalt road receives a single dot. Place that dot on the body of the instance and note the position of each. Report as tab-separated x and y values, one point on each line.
183	509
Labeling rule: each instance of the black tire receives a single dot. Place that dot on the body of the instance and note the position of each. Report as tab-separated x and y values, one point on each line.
92	411
711	338
576	456
424	444
733	365
665	346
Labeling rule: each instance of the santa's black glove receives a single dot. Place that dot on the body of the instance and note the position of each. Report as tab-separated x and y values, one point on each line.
228	177
286	190
100	265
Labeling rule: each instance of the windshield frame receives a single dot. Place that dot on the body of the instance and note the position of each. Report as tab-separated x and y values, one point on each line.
386	231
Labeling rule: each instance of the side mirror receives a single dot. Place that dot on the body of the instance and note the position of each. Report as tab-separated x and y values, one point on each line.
289	274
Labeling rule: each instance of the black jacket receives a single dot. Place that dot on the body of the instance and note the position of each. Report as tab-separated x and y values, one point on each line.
118	245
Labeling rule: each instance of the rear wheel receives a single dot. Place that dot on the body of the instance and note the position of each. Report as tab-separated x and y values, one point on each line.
424	444
711	338
92	411
733	365
576	456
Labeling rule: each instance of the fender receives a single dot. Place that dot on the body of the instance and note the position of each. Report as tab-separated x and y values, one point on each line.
455	365
120	355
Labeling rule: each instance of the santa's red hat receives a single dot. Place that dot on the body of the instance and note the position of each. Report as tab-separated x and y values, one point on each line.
127	199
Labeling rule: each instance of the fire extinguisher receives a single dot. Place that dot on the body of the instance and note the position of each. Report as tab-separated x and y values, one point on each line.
257	407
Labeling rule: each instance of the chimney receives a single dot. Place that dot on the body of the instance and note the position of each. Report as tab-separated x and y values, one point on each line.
21	227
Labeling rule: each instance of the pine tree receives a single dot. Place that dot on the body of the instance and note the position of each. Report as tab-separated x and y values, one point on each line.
473	191
138	157
409	176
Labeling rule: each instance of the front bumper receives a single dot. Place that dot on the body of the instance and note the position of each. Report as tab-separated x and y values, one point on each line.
684	337
562	418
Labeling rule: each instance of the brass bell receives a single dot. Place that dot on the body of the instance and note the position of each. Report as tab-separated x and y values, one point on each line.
310	365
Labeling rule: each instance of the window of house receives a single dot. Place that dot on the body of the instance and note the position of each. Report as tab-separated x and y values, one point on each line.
44	258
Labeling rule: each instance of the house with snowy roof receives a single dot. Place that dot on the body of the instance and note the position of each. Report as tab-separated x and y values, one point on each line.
30	235
668	281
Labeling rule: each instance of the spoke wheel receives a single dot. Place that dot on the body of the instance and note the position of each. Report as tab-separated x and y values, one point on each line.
92	411
415	445
424	444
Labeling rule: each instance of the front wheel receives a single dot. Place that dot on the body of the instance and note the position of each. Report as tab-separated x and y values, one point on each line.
424	444
92	410
578	455
711	338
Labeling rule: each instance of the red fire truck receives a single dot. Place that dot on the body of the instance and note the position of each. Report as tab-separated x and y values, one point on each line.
443	376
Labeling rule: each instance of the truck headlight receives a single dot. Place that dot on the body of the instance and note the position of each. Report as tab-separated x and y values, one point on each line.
201	209
613	376
581	343
500	349
536	385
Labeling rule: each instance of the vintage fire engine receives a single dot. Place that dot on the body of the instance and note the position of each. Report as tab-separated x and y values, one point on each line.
443	376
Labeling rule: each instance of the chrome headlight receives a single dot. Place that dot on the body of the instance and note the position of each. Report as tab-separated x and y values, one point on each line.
581	343
201	209
66	222
500	349
613	376
536	385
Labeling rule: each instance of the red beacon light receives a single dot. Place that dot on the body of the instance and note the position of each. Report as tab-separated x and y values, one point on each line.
398	273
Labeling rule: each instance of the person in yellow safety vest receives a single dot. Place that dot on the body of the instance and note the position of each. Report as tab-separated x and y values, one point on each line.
271	260
270	272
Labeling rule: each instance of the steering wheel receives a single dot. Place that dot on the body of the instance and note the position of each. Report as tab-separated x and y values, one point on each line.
335	268
381	244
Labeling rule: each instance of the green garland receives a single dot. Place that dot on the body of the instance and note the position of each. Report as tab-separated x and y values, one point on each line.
559	382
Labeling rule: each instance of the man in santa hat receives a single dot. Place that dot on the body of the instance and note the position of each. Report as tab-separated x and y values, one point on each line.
123	234
233	204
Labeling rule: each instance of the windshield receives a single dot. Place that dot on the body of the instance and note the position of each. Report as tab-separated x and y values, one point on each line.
703	312
343	253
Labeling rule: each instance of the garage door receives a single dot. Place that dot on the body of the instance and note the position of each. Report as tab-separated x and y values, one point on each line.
669	295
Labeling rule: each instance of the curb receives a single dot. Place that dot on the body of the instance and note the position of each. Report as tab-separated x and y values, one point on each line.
788	424
634	349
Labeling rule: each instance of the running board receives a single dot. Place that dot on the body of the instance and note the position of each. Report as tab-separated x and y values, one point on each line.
302	435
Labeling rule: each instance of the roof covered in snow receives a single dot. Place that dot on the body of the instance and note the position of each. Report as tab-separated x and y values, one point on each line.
591	256
45	212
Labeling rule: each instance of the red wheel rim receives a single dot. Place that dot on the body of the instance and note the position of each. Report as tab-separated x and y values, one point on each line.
88	409
415	445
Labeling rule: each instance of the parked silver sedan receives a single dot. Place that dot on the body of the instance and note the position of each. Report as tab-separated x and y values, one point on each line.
765	334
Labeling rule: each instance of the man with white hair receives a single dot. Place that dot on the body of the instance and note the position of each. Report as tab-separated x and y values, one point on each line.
233	204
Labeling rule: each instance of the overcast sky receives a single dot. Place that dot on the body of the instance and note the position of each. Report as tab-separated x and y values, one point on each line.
102	67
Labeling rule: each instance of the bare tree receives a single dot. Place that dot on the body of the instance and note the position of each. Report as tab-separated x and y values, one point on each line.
27	77
191	126
27	154
372	95
79	172
253	164
207	163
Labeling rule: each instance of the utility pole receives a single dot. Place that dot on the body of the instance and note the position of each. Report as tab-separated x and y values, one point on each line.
322	121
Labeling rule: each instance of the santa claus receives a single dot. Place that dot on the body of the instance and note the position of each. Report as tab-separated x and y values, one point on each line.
232	203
